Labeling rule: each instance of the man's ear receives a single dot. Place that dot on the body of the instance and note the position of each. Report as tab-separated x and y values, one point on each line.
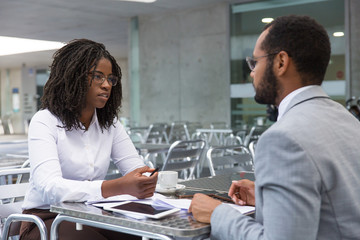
281	63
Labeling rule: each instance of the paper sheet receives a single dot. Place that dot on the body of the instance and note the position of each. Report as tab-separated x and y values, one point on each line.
161	200
117	198
243	209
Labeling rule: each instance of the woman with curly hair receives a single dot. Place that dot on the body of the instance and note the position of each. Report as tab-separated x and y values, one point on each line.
74	136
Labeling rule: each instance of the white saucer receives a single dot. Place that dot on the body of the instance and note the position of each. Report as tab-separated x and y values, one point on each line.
169	190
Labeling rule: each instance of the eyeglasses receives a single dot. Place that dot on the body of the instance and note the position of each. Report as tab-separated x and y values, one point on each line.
99	78
252	61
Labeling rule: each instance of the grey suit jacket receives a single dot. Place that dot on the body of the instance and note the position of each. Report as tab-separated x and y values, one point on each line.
307	170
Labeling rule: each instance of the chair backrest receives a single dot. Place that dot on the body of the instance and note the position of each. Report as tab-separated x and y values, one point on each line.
2	130
228	159
254	134
157	133
178	132
11	187
252	146
11	199
232	140
192	126
241	134
184	156
136	137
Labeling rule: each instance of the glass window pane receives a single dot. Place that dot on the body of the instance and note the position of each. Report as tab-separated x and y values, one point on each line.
246	25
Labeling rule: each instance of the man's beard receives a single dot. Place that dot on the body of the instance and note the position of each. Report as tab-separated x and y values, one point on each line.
267	90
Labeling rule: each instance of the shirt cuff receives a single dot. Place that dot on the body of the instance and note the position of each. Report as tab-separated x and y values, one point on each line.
95	189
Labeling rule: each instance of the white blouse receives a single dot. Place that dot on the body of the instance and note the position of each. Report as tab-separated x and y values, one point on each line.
71	165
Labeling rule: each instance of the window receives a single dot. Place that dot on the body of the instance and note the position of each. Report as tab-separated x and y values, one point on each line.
42	75
246	25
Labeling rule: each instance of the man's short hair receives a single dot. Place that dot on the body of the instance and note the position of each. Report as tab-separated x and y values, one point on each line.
305	41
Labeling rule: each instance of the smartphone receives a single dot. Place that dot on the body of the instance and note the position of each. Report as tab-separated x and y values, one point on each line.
142	209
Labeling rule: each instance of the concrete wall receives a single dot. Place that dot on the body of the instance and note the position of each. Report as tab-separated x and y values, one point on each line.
125	108
184	66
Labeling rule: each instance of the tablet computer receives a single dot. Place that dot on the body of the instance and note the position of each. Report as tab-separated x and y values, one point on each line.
141	209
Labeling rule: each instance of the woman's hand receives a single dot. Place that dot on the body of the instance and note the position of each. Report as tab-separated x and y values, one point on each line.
242	192
133	183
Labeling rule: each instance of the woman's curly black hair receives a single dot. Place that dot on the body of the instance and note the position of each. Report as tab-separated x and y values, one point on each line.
65	91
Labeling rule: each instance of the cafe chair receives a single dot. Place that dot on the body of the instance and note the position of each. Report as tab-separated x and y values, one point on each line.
2	129
252	146
184	156
192	127
157	133
354	108
11	198
254	134
200	135
112	172
232	140
229	159
136	137
178	131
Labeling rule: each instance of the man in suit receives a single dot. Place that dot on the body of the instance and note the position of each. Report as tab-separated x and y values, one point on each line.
307	164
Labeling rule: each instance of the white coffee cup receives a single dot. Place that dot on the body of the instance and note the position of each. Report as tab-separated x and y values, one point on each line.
167	179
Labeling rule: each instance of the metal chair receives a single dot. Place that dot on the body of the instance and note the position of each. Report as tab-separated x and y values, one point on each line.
11	198
227	159
254	134
252	147
353	108
136	137
184	156
2	129
157	133
232	140
192	127
178	132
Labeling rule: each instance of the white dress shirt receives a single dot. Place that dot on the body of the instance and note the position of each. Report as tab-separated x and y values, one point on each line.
71	165
285	102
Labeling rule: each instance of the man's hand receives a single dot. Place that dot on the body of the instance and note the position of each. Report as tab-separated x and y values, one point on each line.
133	183
242	192
202	207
